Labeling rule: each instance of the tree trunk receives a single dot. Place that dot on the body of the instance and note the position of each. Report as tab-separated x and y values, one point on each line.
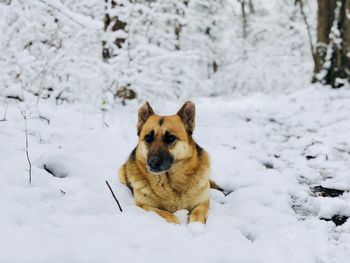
325	18
332	64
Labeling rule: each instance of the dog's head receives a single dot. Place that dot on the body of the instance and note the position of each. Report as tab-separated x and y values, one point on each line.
165	140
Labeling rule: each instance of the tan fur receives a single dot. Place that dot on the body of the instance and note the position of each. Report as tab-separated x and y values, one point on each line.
185	185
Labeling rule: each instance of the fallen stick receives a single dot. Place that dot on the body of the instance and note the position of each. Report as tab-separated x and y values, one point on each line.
120	208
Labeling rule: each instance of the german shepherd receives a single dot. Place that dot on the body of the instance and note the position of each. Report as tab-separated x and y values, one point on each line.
168	170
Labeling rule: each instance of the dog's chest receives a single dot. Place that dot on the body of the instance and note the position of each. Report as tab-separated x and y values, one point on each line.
172	195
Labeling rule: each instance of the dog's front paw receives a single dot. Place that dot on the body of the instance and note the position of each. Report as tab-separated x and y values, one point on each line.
172	219
195	217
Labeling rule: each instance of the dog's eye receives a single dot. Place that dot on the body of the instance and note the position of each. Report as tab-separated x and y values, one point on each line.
168	138
149	138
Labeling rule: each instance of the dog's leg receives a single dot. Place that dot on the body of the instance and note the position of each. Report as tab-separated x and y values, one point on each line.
124	179
122	175
171	218
199	213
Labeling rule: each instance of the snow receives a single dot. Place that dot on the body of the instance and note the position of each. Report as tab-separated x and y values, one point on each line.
271	135
52	47
258	146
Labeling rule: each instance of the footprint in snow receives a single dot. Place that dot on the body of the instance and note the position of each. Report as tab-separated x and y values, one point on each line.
57	164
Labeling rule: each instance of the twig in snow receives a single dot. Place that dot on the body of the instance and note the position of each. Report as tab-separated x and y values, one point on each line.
5	113
104	110
25	117
45	119
14	98
120	208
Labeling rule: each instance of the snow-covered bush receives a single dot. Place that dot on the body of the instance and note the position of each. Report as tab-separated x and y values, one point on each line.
50	50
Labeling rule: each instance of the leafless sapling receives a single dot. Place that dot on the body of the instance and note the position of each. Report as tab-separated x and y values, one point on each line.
244	17
25	116
308	28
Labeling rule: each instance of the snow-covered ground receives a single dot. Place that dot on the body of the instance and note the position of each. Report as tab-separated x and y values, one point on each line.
268	149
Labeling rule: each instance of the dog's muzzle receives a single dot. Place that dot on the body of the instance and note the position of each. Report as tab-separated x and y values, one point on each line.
159	162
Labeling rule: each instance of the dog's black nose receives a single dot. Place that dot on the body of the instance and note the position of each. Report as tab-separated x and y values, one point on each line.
154	162
159	162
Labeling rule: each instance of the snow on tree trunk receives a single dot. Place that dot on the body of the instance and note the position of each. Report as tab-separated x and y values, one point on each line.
332	65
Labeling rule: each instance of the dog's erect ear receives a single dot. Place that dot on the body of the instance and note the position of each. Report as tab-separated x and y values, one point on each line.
187	114
144	112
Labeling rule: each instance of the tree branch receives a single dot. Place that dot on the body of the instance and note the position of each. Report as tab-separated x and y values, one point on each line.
68	14
308	28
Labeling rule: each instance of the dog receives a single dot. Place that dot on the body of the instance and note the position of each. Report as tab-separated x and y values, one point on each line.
168	170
